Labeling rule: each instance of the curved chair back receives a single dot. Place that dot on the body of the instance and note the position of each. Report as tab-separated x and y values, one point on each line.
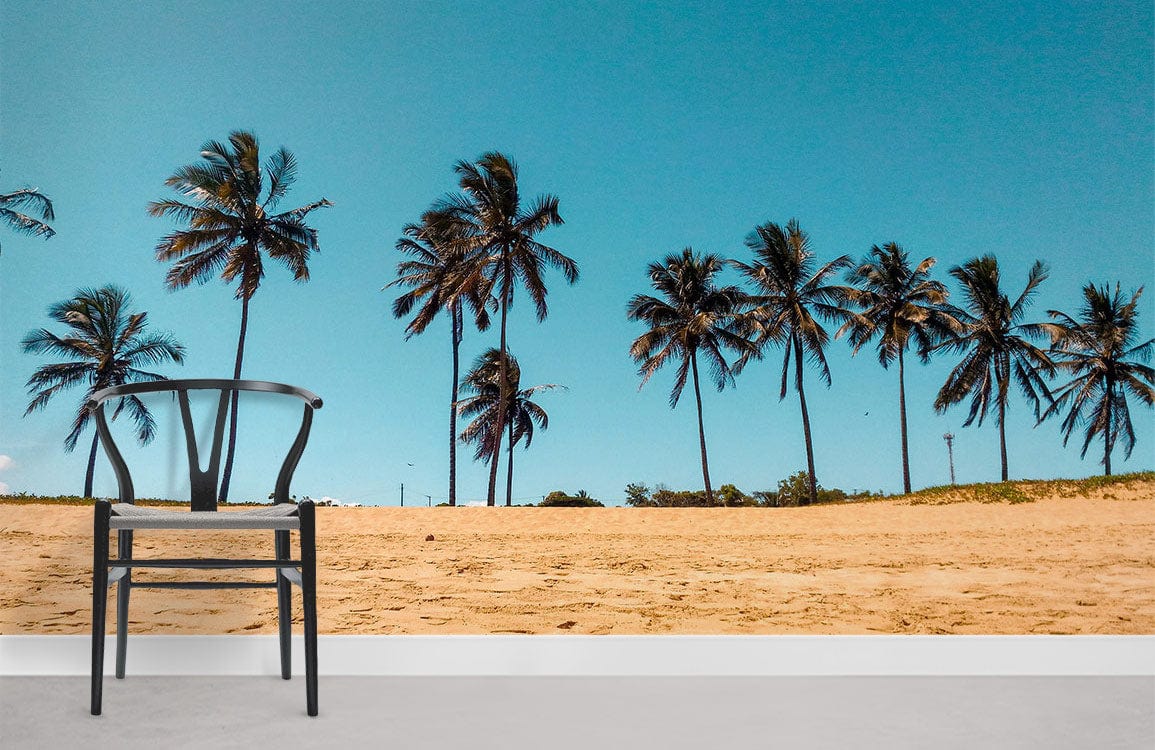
203	483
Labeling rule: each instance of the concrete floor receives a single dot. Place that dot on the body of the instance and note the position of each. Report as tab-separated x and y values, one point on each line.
602	713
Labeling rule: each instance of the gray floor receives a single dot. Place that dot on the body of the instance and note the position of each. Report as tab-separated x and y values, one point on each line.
598	713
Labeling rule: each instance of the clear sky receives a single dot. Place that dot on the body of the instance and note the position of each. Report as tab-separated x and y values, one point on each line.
1023	131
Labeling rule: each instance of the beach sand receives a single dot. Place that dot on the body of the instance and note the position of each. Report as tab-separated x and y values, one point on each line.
1056	565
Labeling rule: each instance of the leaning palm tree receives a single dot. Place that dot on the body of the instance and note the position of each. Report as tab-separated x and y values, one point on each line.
105	345
520	412
996	345
1100	353
896	304
791	295
230	226
434	272
504	230
692	317
12	206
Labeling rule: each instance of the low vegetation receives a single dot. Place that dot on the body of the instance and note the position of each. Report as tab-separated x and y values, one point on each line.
791	491
24	498
1027	490
787	495
559	499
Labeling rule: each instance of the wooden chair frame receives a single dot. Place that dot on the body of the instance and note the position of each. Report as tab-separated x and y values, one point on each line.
125	517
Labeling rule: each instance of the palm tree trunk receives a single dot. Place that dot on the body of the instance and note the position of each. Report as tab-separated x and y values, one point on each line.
91	466
811	479
1107	432
502	386
1003	431
902	418
509	470
227	475
701	429
457	326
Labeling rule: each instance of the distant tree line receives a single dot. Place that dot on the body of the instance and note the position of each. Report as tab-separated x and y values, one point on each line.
792	491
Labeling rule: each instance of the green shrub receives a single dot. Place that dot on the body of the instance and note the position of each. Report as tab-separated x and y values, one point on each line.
559	499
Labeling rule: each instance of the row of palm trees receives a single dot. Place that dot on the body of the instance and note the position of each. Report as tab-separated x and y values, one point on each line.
473	249
888	301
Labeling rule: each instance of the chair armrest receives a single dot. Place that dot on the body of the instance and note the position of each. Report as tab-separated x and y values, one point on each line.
154	386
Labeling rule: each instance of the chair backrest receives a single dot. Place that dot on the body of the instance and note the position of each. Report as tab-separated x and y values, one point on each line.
203	483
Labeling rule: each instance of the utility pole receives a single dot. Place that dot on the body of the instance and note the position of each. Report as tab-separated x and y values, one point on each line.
402	494
949	438
429	500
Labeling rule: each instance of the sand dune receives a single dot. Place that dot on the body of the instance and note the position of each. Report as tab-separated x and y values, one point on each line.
1056	565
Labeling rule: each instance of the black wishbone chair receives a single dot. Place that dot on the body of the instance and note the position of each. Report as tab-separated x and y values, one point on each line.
281	518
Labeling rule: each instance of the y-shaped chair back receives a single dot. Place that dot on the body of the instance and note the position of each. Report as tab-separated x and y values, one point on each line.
203	483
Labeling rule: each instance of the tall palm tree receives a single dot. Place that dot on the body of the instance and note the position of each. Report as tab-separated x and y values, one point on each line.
692	316
791	295
230	225
435	272
504	230
106	345
13	204
1100	353
520	412
896	304
996	345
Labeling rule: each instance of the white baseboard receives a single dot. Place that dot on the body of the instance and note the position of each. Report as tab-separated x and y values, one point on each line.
605	655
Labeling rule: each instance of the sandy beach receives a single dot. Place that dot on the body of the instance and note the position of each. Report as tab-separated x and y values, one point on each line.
1059	564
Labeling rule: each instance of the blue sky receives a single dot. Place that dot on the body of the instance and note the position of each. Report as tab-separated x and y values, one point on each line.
1026	132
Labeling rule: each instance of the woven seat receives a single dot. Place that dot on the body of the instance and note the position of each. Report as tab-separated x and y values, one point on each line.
281	516
125	519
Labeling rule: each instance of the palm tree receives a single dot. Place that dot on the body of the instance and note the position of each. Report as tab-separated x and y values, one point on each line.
520	412
897	303
434	272
1100	353
992	336
105	346
693	315
11	207
790	293
230	226
504	231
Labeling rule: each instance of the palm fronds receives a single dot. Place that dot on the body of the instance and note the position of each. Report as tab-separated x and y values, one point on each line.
13	208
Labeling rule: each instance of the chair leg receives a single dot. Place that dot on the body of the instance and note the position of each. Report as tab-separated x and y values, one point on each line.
99	598
309	598
123	587
284	607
